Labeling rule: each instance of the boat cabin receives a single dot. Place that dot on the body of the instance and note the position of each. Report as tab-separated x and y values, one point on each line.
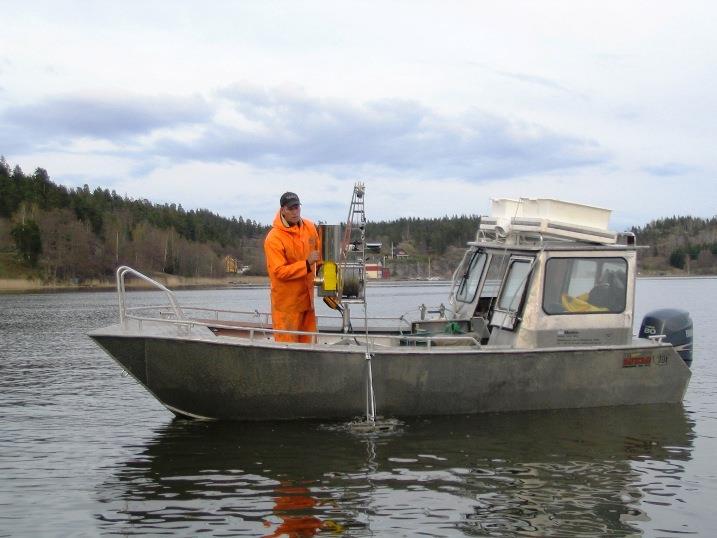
538	276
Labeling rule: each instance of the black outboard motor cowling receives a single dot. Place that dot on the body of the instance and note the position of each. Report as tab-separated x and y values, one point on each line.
675	324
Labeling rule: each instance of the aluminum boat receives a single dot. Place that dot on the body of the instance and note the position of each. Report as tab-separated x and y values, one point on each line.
539	316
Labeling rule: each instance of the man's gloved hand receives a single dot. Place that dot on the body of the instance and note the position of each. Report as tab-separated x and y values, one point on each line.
313	257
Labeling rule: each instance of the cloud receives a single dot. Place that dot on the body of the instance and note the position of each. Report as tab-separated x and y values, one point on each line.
668	169
536	80
110	117
282	129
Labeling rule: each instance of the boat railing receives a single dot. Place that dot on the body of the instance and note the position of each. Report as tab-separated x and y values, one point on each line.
167	312
173	313
252	333
122	272
264	318
215	312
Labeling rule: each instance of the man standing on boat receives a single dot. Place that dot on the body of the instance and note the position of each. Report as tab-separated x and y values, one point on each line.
292	249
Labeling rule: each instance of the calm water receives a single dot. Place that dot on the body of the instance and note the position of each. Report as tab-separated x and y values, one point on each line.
84	451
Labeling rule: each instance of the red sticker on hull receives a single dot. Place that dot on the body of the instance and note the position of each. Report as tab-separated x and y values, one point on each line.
631	362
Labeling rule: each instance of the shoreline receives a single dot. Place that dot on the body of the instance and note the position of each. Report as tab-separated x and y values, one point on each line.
26	285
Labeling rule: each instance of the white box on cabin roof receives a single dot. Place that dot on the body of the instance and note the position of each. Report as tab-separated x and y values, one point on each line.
551	210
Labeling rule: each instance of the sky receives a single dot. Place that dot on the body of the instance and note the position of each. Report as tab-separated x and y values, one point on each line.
437	107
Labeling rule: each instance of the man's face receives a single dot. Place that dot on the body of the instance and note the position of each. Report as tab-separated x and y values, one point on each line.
291	213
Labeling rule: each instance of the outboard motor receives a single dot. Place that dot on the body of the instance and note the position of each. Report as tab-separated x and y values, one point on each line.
675	324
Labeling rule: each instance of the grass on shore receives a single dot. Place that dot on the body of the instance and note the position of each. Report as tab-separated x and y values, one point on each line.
12	267
15	276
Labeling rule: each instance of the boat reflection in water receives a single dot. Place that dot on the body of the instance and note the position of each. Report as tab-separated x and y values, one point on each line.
584	472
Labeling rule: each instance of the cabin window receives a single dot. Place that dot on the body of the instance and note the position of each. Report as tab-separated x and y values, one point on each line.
512	293
585	285
495	266
514	285
471	278
494	276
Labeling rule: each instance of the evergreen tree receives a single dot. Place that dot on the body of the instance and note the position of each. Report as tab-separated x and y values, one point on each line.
28	241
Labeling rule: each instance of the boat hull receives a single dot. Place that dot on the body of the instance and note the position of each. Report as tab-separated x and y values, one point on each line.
241	379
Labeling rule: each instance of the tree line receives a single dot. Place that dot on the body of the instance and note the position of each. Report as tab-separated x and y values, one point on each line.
80	233
61	234
678	243
424	236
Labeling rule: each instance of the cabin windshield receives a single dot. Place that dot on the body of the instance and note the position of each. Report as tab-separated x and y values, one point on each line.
471	278
585	285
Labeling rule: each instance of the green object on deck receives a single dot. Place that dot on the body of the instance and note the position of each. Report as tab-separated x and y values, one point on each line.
453	328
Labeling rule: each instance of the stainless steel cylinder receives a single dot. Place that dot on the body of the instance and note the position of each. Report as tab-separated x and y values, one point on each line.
331	236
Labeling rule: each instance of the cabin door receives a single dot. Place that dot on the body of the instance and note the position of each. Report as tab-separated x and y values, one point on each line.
511	297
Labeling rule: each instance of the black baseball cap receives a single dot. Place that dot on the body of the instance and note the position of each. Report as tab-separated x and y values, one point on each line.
288	199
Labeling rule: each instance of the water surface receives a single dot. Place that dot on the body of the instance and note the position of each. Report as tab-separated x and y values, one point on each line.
85	451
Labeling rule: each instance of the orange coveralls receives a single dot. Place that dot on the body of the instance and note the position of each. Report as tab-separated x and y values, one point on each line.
292	284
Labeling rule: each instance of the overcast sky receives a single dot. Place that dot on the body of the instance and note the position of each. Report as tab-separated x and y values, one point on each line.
436	106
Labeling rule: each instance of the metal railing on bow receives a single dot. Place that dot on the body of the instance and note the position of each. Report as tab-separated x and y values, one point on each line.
255	324
122	272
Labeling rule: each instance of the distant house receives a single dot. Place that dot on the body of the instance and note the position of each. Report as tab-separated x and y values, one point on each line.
377	271
400	253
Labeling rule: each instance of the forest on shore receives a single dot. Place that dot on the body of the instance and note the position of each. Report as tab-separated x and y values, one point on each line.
58	234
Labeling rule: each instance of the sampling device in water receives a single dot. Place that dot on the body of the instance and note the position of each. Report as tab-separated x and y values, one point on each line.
341	282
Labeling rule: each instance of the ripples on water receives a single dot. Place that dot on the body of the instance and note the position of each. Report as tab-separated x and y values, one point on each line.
85	451
476	475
